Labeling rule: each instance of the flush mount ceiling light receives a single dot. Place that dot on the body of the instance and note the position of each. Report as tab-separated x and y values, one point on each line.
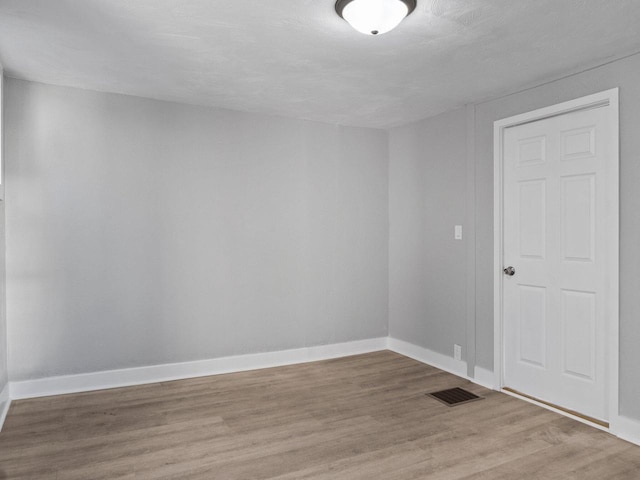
374	17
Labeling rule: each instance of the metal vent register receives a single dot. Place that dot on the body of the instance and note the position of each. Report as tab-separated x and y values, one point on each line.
454	396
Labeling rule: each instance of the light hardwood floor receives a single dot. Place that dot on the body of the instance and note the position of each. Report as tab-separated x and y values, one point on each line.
361	417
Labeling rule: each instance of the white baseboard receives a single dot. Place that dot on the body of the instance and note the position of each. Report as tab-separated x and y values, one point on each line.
176	371
424	355
628	429
5	403
481	376
484	377
86	382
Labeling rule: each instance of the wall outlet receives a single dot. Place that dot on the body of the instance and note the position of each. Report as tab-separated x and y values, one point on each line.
457	232
457	352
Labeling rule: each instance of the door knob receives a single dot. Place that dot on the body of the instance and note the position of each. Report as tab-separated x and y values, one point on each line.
510	271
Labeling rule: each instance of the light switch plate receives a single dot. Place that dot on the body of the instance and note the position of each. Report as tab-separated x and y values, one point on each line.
457	232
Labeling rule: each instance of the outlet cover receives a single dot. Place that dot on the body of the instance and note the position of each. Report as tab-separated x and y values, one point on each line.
457	352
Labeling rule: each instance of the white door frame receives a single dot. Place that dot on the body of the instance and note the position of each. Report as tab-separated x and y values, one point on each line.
608	98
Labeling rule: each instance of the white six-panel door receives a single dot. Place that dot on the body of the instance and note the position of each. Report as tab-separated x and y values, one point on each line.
555	238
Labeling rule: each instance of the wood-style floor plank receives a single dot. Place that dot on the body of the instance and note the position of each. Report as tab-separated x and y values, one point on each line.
361	417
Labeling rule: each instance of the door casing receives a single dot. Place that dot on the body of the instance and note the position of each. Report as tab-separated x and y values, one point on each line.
608	99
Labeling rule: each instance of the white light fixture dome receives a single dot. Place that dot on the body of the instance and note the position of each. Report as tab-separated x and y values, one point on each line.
374	17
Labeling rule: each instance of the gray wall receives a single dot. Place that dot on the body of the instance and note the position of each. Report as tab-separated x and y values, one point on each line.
427	267
411	156
142	232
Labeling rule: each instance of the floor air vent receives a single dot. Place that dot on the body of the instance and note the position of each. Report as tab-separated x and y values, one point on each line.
454	396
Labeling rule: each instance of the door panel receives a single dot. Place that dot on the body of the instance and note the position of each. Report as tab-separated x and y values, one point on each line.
578	218
533	325
532	218
579	321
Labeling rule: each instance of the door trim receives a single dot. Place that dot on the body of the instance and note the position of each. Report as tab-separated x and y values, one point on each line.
608	99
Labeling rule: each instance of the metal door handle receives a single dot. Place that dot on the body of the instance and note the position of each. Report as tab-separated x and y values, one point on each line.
510	271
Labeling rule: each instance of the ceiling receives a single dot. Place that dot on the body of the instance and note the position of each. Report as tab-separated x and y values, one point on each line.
298	58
